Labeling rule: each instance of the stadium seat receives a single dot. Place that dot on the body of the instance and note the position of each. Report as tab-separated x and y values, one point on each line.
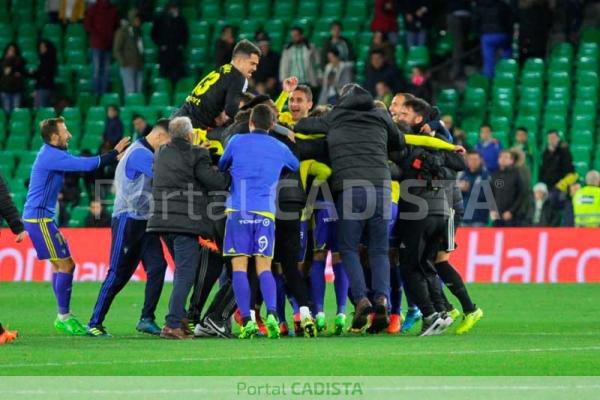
308	9
259	10
108	99
478	81
587	64
507	65
235	12
160	99
332	9
417	56
135	99
210	11
581	137
284	10
42	114
356	8
96	113
17	141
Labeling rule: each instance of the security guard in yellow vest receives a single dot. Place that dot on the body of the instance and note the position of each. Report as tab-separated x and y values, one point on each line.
586	202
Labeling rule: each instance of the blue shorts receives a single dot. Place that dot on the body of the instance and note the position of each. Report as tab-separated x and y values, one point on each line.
303	241
47	240
248	235
392	225
325	230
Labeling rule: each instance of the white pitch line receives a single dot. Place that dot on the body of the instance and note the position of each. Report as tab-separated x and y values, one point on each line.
301	356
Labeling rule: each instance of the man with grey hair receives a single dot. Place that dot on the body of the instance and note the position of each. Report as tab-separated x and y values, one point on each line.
586	202
183	178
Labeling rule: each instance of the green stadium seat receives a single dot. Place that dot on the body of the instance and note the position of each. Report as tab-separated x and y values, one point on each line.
71	115
559	78
166	112
478	81
532	79
534	65
587	64
94	128
529	122
284	10
558	92
581	153
179	97
583	122
356	8
581	137
557	107
586	92
85	100
555	122
588	49
189	13
211	12
507	65
42	114
17	186
77	57
200	28
587	78
135	99
96	113
37	141
559	64
235	13
353	24
21	114
259	10
505	79
562	50
305	23
581	168
417	56
159	99
332	9
17	141
198	55
27	30
108	99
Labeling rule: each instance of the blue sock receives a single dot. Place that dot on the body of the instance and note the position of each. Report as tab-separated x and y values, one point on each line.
396	290
63	287
317	284
341	287
269	291
280	297
241	290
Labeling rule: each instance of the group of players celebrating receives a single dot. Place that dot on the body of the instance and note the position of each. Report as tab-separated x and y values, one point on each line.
346	180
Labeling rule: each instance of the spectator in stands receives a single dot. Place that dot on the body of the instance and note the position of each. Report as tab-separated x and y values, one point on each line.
97	217
509	192
380	42
385	19
224	46
523	144
495	27
266	75
586	202
113	128
71	11
417	17
489	148
379	70
459	25
128	50
44	74
145	9
535	21
101	22
12	78
541	212
383	93
557	169
521	166
337	74
470	183
301	59
141	127
338	42
420	85
171	34
52	8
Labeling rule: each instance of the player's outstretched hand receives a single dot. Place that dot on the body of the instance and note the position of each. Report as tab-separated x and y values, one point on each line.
460	150
123	144
20	237
290	84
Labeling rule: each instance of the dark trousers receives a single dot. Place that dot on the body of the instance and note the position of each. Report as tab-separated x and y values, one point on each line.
287	247
458	27
130	245
185	251
422	239
365	210
490	44
209	271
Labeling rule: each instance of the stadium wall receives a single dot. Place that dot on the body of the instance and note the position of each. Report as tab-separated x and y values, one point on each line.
515	255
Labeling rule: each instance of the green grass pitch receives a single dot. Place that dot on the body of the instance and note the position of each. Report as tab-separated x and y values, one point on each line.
526	330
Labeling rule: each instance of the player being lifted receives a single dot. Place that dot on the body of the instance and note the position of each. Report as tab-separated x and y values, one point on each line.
47	175
216	98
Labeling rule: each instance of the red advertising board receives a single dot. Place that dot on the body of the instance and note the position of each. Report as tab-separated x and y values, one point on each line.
520	255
